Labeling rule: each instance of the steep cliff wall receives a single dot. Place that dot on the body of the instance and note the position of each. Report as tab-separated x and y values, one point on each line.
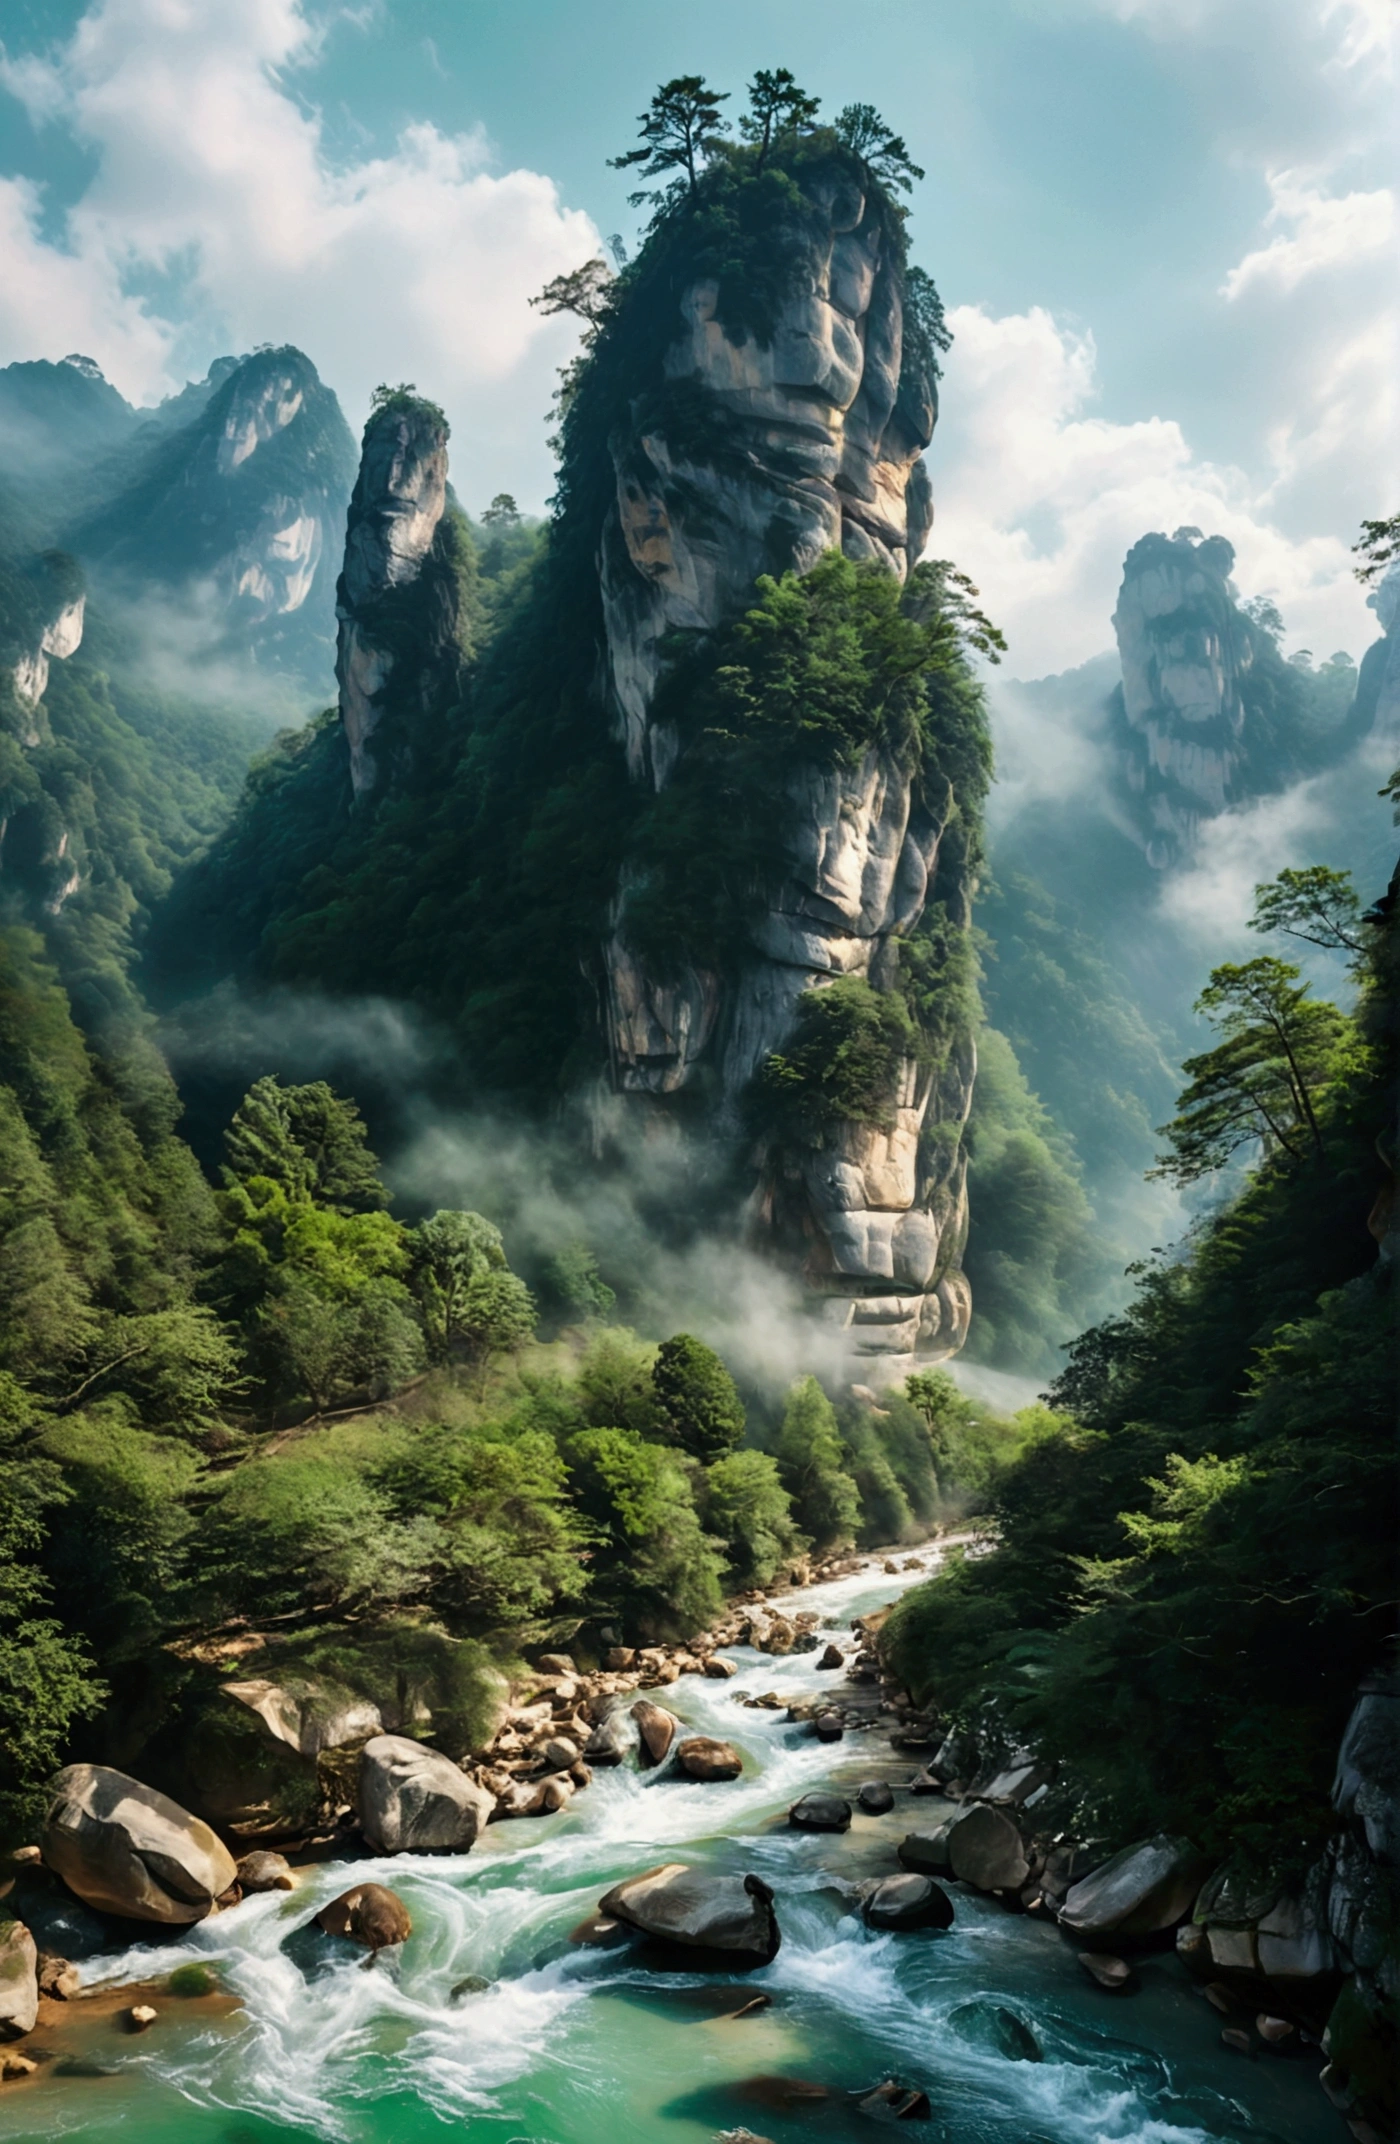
400	597
739	452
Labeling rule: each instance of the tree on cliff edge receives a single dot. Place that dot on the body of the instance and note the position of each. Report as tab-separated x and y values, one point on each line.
679	128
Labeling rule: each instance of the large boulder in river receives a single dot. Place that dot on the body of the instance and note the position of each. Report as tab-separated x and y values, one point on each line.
413	1800
926	1852
19	1980
368	1913
1141	1891
130	1851
820	1812
907	1902
704	1757
658	1729
613	1740
986	1850
731	1917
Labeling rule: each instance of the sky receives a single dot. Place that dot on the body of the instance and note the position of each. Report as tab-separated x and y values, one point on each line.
1165	231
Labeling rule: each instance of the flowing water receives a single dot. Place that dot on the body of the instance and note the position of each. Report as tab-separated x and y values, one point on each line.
571	2046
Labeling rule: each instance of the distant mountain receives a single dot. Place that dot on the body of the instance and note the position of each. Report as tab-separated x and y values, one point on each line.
216	519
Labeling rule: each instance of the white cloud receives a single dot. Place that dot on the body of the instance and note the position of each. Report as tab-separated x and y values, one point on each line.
212	173
1329	231
1040	499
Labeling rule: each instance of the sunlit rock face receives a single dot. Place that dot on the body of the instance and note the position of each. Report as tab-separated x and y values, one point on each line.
396	511
1184	648
820	436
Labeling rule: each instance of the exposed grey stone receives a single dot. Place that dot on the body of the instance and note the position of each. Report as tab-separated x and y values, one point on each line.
128	1850
413	1800
729	1916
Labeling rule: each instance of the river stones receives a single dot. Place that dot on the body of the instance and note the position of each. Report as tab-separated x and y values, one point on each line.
19	1980
719	1670
985	1849
264	1871
907	1902
895	2102
560	1754
820	1812
413	1800
658	1729
830	1726
730	1917
58	1978
705	1758
833	1657
1139	1892
992	2026
875	1797
127	1850
613	1740
925	1852
556	1664
370	1914
1112	1973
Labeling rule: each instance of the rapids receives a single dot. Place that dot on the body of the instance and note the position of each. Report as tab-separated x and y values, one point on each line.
571	2046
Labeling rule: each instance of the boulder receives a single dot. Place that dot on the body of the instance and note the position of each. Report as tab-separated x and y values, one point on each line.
719	1670
730	1917
830	1727
925	1852
556	1664
658	1729
613	1740
58	1979
19	1980
130	1851
820	1812
908	1902
1141	1891
875	1797
704	1757
1112	1973
985	1849
1014	1784
833	1657
369	1914
1000	2031
140	2017
413	1800
560	1754
263	1871
619	1658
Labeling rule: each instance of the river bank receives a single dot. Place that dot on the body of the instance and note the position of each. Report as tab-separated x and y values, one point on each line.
572	2046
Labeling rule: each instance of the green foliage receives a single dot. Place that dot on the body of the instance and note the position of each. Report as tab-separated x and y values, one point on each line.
860	128
749	1510
811	1467
679	129
652	1563
572	1276
295	1535
1164	1612
843	1061
698	1403
1267	1081
46	1672
406	398
1034	1258
1318	905
615	1384
1378	548
309	1141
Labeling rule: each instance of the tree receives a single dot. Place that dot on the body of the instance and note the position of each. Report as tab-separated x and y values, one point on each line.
46	1673
652	1563
1378	548
777	108
449	1251
1316	904
574	1278
309	1140
860	128
750	1511
1264	1081
697	1399
1263	612
811	1465
503	513
585	292
679	129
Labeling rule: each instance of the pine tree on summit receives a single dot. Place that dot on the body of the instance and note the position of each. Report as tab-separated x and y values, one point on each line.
679	128
777	108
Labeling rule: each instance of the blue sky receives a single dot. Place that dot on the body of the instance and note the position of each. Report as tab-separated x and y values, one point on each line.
1165	230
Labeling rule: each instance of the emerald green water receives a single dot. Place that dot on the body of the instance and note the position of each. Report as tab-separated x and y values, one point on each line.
591	2047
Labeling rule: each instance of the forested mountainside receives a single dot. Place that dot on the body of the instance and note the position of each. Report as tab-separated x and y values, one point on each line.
667	820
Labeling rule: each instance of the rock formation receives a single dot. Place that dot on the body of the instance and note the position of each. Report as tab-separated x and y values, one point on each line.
397	599
128	1850
1184	648
817	436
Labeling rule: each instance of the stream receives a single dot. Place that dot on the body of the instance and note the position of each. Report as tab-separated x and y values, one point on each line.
575	2046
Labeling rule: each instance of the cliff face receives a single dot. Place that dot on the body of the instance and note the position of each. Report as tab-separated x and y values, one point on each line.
231	499
42	606
819	434
1185	649
398	597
